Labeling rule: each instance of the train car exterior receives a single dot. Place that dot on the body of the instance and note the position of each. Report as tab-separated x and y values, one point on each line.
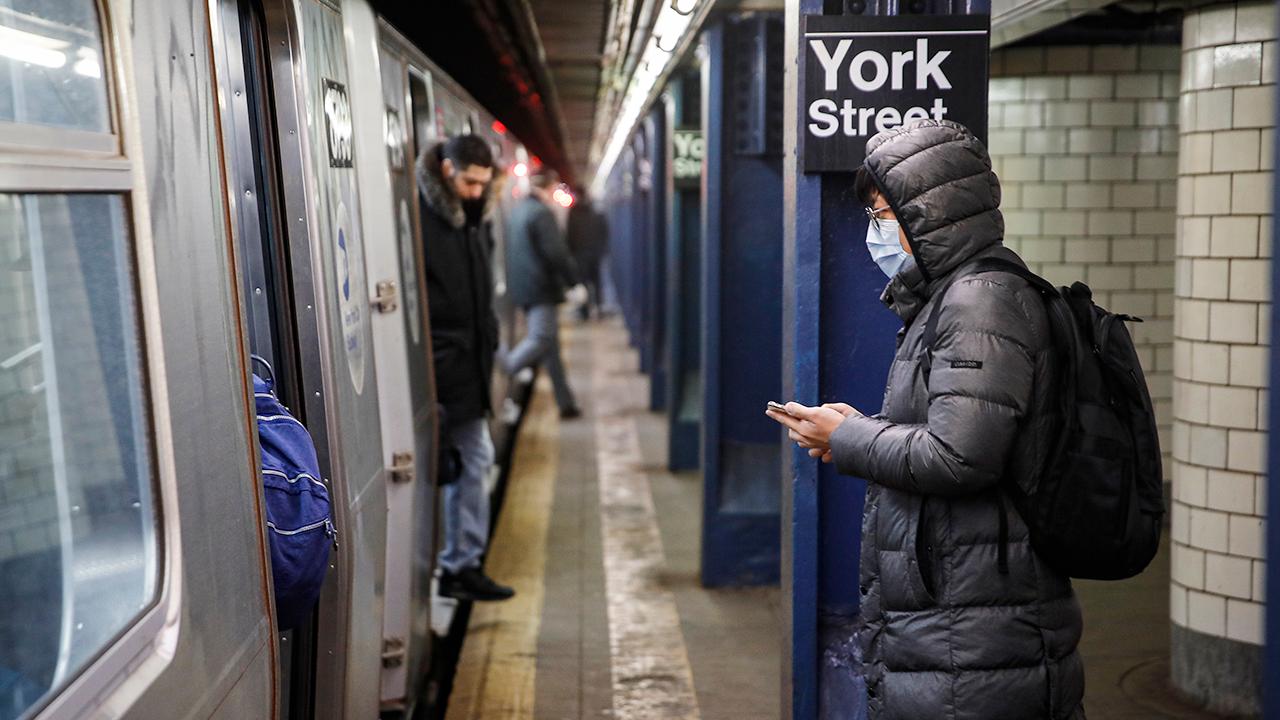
184	188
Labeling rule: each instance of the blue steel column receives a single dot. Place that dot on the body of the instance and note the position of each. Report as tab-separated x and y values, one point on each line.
684	315
742	278
838	346
1271	651
656	220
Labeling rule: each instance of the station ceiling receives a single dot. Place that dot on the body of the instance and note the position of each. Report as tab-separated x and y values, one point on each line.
534	64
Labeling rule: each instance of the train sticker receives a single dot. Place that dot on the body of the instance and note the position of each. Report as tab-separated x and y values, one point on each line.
409	273
349	265
337	122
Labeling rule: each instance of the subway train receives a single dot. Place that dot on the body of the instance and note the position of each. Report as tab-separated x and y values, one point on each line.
184	187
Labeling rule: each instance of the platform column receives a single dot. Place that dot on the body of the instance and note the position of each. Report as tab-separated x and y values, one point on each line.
838	343
684	275
1222	309
742	299
657	223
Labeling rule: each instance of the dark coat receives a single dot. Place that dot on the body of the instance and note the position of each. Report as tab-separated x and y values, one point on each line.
539	266
944	633
588	235
464	328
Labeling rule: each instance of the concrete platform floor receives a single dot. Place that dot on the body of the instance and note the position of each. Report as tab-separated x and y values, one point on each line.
610	620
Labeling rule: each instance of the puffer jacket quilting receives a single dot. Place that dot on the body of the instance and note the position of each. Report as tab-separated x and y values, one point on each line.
944	633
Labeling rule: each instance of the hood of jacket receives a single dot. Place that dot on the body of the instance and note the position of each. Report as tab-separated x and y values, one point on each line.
441	198
937	177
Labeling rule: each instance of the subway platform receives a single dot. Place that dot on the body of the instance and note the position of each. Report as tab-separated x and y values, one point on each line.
610	621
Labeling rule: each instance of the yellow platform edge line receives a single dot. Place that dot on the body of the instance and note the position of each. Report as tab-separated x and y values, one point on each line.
495	678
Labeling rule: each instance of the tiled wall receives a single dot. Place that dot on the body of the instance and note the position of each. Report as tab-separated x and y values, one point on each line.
1085	142
1221	308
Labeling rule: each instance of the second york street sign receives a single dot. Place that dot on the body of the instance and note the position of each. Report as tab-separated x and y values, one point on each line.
866	74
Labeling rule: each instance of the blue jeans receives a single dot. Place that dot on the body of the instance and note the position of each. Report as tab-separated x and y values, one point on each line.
541	344
466	502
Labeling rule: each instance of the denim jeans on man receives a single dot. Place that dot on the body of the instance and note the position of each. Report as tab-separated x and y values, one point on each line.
466	501
541	344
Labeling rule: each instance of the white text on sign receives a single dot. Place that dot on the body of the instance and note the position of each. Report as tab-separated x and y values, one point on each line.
871	70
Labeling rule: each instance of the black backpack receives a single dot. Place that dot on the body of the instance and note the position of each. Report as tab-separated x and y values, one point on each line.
1098	505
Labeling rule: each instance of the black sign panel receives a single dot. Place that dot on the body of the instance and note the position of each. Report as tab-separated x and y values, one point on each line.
866	74
337	118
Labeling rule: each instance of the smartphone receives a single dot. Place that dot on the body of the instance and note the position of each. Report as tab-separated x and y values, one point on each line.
778	406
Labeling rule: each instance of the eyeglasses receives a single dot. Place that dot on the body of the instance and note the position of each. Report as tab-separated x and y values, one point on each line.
874	214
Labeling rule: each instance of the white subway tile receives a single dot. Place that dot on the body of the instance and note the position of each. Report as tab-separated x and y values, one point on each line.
1217	25
1157	113
1179	523
1193	236
1114	113
1087	141
1154	222
1255	21
1065	222
1251	280
1231	407
1230	491
1135	250
1236	150
1214	109
1248	535
1209	529
1234	236
1084	250
1115	58
1251	193
1005	89
1259	581
1066	59
1090	86
1252	107
1247	451
1208	450
1066	168
1238	64
1045	88
1138	86
1043	195
1131	195
1022	168
1233	322
1186	565
1061	113
1023	60
1111	167
1245	621
1197	69
1197	153
1228	575
1210	279
1212	194
1159	57
1207	613
1249	366
1210	362
1143	141
1045	142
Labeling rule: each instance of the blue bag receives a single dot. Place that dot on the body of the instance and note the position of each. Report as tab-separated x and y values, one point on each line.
300	528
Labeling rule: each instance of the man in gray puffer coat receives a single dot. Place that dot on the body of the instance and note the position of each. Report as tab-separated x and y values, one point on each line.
961	619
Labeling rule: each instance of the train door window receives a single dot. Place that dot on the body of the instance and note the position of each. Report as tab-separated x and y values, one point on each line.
51	65
79	525
425	129
78	539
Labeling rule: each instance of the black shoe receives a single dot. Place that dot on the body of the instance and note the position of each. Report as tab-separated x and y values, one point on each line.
472	584
570	413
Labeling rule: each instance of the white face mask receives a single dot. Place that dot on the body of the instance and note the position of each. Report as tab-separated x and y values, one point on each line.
884	246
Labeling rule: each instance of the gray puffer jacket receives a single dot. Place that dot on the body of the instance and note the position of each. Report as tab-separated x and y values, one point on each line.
945	633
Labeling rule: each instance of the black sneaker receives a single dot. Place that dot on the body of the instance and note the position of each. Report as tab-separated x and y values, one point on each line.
472	584
570	413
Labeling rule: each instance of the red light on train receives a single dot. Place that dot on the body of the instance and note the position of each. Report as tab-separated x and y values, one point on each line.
520	169
499	128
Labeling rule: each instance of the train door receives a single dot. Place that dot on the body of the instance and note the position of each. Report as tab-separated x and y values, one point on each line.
287	123
384	163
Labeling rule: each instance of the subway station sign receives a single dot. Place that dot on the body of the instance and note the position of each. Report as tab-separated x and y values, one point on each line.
686	161
866	74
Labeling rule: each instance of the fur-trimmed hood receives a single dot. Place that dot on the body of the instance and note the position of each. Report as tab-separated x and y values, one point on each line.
439	197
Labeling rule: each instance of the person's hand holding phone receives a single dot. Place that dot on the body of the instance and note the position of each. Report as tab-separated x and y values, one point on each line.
811	427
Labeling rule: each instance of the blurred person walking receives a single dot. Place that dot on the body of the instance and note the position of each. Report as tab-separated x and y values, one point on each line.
588	236
540	269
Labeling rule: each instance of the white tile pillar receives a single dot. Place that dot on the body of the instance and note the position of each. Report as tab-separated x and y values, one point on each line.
1220	352
1085	142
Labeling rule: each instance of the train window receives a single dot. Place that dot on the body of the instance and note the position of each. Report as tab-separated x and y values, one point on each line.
78	535
51	69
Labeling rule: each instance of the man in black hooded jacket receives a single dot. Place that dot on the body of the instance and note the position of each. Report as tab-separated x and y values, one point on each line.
961	619
454	180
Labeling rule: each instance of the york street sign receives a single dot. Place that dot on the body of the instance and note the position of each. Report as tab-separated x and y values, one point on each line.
866	74
686	162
